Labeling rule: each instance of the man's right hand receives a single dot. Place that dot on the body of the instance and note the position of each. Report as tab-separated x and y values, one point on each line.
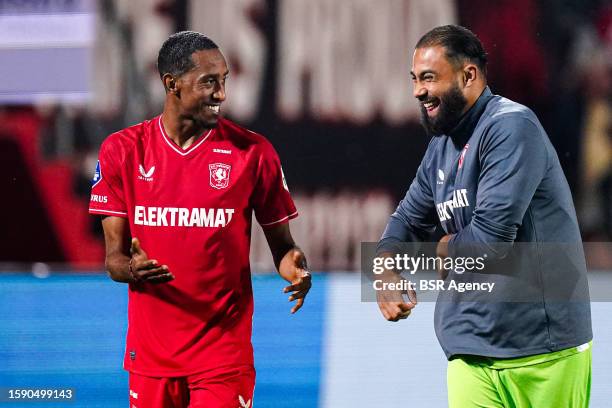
392	303
143	269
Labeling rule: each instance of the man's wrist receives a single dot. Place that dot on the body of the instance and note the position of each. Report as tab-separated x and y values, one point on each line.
131	271
442	248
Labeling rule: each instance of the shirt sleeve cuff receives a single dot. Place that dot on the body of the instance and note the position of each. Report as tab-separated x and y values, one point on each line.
97	211
279	221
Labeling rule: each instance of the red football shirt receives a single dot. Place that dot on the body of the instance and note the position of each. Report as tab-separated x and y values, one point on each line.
191	210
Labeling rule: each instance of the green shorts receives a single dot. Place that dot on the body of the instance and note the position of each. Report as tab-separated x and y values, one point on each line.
561	379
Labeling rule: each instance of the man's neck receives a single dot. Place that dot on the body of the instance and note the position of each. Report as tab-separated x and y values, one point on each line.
182	131
473	96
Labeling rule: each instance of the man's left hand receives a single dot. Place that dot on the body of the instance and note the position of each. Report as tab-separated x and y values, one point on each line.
293	268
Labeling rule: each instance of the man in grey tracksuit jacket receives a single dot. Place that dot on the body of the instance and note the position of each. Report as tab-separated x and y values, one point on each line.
509	188
491	178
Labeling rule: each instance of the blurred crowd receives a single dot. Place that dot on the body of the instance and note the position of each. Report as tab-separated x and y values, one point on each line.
554	56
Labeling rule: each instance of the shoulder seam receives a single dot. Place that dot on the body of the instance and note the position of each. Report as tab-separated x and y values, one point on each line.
130	148
518	115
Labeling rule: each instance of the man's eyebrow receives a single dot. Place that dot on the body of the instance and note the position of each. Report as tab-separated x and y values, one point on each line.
422	73
212	75
428	71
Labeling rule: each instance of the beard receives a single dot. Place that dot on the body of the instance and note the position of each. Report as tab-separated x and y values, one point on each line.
450	111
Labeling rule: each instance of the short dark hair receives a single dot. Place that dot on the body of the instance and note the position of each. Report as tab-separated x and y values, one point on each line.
460	43
175	53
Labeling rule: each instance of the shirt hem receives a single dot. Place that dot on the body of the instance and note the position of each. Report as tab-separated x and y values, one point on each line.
182	373
521	353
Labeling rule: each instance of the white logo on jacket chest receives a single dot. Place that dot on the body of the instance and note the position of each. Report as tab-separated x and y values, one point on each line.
219	175
440	177
146	175
459	200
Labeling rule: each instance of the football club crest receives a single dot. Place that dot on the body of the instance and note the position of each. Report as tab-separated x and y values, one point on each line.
462	157
97	175
219	175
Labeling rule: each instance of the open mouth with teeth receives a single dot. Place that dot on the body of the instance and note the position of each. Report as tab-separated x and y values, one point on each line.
431	106
213	108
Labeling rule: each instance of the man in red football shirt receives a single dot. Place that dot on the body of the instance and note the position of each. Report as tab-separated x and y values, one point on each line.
177	193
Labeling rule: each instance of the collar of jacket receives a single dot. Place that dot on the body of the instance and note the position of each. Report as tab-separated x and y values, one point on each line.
464	129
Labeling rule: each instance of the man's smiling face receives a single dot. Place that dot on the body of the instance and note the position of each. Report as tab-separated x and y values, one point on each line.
202	89
438	87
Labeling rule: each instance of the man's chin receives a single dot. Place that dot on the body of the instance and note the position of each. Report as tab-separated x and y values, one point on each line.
447	114
429	126
208	122
212	123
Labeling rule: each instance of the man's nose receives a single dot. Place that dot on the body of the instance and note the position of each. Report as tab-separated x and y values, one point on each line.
419	91
219	93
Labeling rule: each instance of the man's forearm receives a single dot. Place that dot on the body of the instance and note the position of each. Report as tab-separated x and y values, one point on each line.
279	252
400	235
118	268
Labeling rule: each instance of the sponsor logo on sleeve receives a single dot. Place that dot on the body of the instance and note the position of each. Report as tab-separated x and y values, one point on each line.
97	175
96	198
219	175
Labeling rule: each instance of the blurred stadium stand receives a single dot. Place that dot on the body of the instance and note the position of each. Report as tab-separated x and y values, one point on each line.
327	83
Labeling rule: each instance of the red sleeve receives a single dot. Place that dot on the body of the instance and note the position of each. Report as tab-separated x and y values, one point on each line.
271	199
107	187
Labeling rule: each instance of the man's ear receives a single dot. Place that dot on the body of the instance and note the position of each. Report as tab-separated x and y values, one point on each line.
470	74
171	84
